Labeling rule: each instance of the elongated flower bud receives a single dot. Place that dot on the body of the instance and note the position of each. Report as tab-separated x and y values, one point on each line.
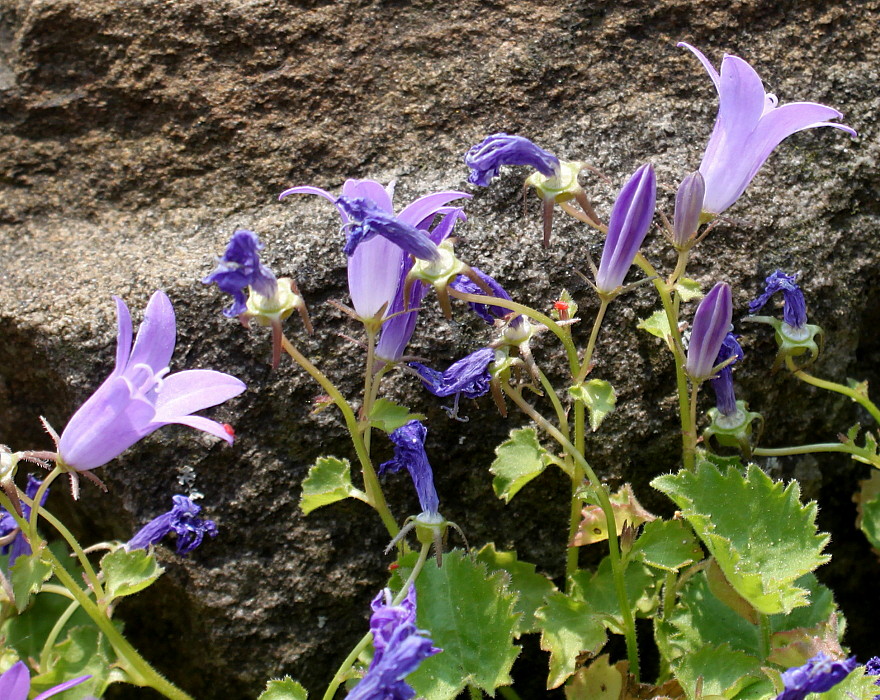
688	206
627	228
711	325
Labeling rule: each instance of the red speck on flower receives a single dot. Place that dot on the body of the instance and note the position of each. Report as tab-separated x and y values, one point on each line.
560	306
393	566
229	429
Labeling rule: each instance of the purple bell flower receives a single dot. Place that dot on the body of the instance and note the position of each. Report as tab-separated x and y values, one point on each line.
629	223
19	545
140	396
722	383
469	375
183	520
399	649
486	158
794	311
711	326
409	453
239	268
486	312
15	684
816	676
750	124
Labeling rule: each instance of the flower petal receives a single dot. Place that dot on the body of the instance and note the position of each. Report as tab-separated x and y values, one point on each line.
123	336
61	688
370	189
307	189
374	275
427	206
186	392
157	334
16	682
707	64
204	424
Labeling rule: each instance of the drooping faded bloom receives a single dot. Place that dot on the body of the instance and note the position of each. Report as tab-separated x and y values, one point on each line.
688	207
18	546
183	520
485	311
140	396
750	124
240	268
15	684
816	676
469	375
794	310
399	648
711	326
409	454
722	383
368	220
627	227
486	158
872	668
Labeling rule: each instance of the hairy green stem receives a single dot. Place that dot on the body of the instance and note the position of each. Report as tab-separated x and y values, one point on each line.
859	398
853	450
54	632
591	344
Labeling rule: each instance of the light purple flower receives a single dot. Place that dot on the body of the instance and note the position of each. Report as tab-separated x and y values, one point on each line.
711	326
183	520
399	649
140	396
409	454
469	375
629	223
722	383
486	158
750	124
816	676
19	545
239	268
15	684
794	310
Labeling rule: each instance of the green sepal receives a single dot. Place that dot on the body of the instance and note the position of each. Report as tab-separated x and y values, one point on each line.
599	591
328	481
518	460
471	615
126	573
688	289
533	588
763	538
734	430
598	396
793	342
389	416
284	689
657	324
667	545
568	628
868	500
29	573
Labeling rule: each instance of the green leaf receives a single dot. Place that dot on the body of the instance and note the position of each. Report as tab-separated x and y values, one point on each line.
761	535
29	573
868	500
85	651
667	544
518	460
725	671
126	573
856	685
471	615
599	398
284	689
389	416
657	324
599	591
328	481
568	628
594	526
532	587
598	681
688	289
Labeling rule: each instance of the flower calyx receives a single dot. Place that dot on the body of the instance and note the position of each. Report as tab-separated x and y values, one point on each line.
430	529
441	273
734	429
271	311
561	188
794	342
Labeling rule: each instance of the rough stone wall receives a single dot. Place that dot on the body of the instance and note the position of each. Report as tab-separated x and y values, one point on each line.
135	136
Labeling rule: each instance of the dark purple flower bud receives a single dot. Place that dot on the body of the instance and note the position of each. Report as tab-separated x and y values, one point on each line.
794	311
183	520
627	227
486	158
409	453
367	219
688	207
722	383
469	375
399	648
711	325
816	676
488	313
240	268
19	545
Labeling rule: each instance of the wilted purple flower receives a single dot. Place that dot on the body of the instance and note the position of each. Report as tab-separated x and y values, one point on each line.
711	325
486	158
367	220
486	312
239	268
750	124
469	375
872	668
816	676
722	383
15	684
630	219
19	545
140	396
399	648
183	520
794	310
688	207
409	453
